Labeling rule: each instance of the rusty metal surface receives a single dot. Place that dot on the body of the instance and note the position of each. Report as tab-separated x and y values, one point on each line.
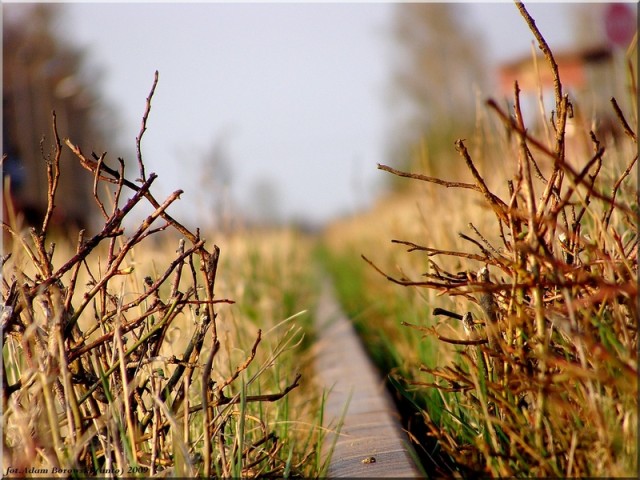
371	442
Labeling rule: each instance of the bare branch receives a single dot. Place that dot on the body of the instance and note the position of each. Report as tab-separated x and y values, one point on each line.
53	176
426	178
625	125
143	127
498	206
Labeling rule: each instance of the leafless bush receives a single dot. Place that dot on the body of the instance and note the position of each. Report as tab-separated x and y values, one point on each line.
546	380
88	386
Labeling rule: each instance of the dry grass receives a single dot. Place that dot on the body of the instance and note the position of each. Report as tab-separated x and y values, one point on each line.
142	351
532	288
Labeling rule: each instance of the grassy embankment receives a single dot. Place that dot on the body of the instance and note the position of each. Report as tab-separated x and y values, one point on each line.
113	344
543	382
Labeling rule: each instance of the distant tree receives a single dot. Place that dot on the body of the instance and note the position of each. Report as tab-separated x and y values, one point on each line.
215	180
264	208
42	73
439	62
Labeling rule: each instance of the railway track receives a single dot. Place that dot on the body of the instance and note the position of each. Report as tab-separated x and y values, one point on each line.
366	439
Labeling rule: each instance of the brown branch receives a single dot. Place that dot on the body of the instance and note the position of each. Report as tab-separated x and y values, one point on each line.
497	205
74	275
206	376
118	192
623	120
566	167
245	365
154	307
209	268
53	176
110	229
436	251
268	397
525	169
77	353
486	242
190	355
115	177
426	178
597	194
178	274
96	182
406	282
476	243
542	43
454	341
577	181
512	125
616	187
590	188
114	265
45	265
228	301
153	288
562	101
143	127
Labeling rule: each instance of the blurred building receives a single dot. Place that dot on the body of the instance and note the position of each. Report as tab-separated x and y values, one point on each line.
593	72
591	76
41	75
578	70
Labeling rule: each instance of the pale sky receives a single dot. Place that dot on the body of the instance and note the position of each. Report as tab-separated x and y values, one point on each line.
294	92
